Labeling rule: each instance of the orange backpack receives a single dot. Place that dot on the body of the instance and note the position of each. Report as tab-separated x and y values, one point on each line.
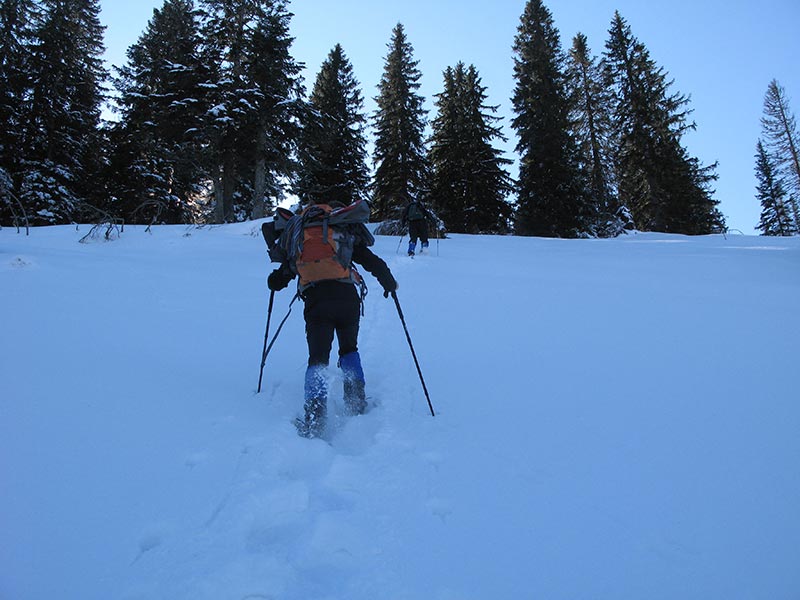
318	243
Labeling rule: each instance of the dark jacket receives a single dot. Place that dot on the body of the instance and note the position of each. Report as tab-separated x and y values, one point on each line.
418	214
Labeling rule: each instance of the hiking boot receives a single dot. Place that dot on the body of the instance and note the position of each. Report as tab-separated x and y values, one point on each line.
355	399
313	425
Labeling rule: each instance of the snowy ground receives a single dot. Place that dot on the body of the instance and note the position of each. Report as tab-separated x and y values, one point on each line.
616	420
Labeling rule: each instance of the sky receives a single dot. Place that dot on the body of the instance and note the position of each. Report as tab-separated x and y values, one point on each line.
722	55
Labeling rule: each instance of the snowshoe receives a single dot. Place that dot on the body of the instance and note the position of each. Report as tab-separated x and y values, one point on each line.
355	399
313	425
305	430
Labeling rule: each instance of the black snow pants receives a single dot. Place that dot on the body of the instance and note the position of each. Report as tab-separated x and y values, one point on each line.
331	307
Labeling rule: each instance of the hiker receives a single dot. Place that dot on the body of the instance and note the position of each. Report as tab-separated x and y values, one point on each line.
333	292
416	216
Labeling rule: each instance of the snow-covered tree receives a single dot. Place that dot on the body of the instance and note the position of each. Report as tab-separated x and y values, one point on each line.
256	101
278	107
333	149
469	185
157	159
16	22
399	155
61	129
551	190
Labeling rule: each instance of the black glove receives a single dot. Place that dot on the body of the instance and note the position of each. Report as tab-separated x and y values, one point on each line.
276	281
389	287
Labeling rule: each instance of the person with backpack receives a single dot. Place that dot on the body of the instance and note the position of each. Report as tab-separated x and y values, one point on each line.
416	217
321	246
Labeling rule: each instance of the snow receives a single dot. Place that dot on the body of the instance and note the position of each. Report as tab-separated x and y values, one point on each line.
615	419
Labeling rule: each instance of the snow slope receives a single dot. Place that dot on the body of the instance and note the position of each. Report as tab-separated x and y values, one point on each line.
616	419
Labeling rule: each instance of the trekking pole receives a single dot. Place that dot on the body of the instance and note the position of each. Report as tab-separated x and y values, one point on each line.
414	354
275	337
266	336
400	242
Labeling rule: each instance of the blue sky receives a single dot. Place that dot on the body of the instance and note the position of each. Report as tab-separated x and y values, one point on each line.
721	54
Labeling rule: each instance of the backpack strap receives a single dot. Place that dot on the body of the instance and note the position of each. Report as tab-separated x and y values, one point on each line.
358	280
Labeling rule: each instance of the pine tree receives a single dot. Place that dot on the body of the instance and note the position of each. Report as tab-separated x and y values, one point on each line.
157	160
468	185
592	129
62	136
447	154
399	122
665	189
781	138
16	21
552	197
776	212
278	106
334	141
255	95
224	31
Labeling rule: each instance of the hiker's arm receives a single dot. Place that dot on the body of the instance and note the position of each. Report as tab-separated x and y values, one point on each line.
375	265
280	277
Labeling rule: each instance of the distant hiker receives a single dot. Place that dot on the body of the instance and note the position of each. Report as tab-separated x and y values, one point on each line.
320	246
416	216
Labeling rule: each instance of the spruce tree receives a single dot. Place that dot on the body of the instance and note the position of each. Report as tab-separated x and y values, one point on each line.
16	22
334	142
592	129
551	190
224	31
783	142
255	94
399	123
157	162
665	188
278	107
447	154
776	211
469	186
62	136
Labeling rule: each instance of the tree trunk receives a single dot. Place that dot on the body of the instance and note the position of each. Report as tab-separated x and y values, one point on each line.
228	186
259	202
218	215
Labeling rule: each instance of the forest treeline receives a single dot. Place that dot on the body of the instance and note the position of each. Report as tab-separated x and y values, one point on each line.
214	124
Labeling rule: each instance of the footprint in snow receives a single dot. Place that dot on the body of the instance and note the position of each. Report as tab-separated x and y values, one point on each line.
147	543
20	263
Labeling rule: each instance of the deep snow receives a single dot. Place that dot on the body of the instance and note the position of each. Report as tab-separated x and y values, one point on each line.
616	419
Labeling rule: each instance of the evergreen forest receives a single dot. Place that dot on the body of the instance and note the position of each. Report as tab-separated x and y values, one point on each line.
213	123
